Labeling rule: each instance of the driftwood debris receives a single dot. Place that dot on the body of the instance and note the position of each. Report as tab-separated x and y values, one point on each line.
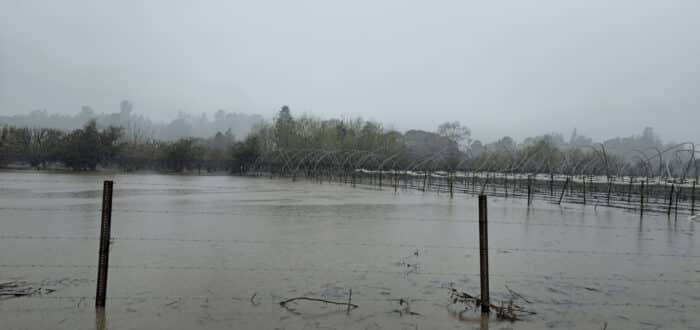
405	307
349	304
506	311
253	301
18	289
517	295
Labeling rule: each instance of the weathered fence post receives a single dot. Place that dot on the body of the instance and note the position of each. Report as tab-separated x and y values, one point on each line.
449	177
473	183
609	189
584	190
405	180
103	261
641	198
678	197
551	185
430	180
563	190
629	192
484	254
396	181
529	190
692	203
670	200
494	186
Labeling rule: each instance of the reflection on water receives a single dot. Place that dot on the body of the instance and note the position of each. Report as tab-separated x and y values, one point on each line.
484	322
189	252
100	319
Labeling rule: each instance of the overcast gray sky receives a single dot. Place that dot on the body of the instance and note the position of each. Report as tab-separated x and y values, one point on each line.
518	68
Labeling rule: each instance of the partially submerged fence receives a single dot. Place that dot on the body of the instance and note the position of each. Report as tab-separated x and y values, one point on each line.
642	194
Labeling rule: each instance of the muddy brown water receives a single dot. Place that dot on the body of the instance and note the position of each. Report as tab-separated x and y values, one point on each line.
221	252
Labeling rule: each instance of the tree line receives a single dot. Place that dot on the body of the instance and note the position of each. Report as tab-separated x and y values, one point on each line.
290	145
92	147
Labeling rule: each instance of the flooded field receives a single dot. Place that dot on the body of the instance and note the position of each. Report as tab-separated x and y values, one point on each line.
221	252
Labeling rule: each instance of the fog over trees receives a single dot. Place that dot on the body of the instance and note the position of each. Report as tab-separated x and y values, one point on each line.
241	143
139	126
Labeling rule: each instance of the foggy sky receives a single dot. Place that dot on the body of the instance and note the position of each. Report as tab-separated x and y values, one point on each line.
518	68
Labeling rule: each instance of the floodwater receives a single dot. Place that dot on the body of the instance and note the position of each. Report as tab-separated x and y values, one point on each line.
221	252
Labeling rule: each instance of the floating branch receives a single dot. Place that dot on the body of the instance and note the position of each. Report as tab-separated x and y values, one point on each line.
348	304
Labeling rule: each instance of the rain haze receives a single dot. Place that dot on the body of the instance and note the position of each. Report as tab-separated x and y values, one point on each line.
337	164
608	68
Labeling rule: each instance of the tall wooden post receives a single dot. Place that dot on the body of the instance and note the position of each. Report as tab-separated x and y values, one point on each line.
430	179
449	177
484	254
405	180
629	192
563	190
473	183
678	198
670	200
105	233
551	185
692	203
641	198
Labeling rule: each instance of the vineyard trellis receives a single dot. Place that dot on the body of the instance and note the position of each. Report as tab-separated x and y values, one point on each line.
654	179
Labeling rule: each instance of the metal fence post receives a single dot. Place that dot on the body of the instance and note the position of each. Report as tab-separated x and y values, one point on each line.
563	190
484	254
103	260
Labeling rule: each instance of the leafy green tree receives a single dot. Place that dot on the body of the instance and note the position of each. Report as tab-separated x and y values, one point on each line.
244	154
84	149
180	155
284	128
